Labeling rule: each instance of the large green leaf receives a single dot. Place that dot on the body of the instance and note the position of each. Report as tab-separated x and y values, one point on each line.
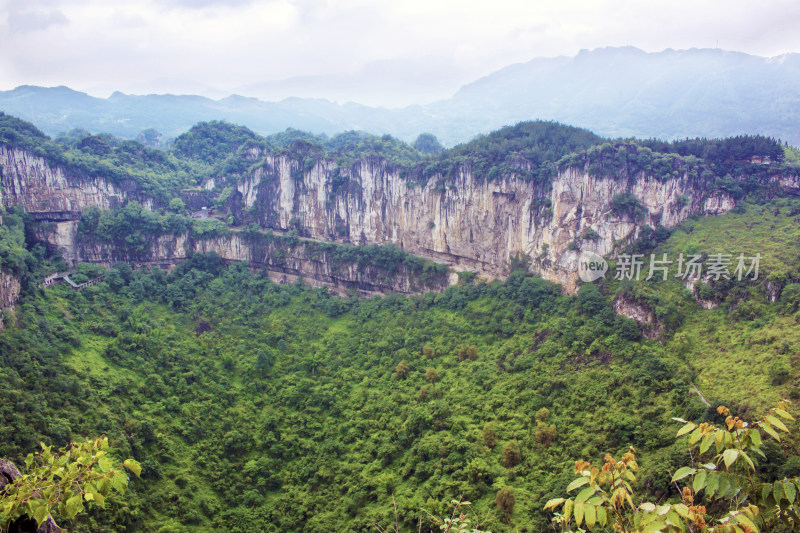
682	473
581	481
789	490
685	429
590	513
699	481
729	456
578	510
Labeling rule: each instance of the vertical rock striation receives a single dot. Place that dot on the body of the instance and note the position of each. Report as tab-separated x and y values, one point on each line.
468	222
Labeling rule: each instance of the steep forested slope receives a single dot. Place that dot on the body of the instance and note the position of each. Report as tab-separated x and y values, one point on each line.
259	406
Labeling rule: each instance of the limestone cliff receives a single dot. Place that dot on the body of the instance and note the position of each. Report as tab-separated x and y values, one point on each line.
286	259
9	292
473	224
53	192
470	223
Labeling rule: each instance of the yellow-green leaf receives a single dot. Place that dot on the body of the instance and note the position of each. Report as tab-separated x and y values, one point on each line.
133	466
555	502
568	510
590	512
681	509
578	514
742	519
100	499
712	483
719	439
777	423
602	517
772	433
584	494
729	456
699	481
685	429
656	525
581	481
41	514
784	414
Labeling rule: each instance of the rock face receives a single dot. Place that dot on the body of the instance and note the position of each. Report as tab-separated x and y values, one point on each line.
639	312
9	292
473	224
285	263
29	181
470	223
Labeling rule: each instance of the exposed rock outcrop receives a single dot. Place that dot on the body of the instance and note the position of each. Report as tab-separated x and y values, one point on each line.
286	263
28	180
9	292
651	328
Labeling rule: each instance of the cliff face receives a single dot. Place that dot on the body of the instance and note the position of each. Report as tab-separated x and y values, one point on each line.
285	262
29	181
9	292
470	223
473	224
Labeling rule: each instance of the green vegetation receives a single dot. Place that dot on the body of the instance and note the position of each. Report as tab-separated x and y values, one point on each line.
427	143
253	406
59	483
732	487
155	172
529	150
250	403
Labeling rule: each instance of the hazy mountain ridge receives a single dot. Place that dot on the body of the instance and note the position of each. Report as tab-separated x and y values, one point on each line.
617	92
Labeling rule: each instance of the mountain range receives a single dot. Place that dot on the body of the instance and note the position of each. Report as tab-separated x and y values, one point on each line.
616	92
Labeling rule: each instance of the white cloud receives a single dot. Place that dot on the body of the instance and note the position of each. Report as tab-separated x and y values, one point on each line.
111	44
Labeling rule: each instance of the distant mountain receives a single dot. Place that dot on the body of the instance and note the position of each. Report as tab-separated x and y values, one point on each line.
612	91
628	92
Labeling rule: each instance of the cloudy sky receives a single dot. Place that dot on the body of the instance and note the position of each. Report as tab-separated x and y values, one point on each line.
375	52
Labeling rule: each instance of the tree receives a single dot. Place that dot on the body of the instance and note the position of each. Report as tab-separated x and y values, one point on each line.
505	500
489	435
545	434
64	482
431	375
401	369
543	414
176	205
724	468
427	143
429	352
511	454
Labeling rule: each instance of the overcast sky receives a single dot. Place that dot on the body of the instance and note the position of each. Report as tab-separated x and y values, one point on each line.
427	48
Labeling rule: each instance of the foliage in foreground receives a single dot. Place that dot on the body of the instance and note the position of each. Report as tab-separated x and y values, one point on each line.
733	499
62	483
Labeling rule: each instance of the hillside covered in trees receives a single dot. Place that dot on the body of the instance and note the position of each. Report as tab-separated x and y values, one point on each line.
253	405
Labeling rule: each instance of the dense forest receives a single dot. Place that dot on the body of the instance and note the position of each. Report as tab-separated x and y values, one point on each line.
258	406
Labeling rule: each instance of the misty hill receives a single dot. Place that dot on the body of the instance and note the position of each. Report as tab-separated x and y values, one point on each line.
627	92
616	92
